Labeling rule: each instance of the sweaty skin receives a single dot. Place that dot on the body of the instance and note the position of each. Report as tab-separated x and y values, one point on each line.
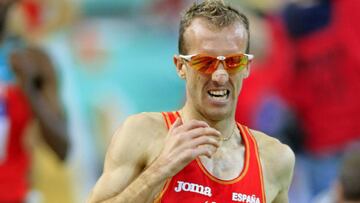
143	153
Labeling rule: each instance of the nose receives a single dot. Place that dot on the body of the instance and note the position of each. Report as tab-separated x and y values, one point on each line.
220	75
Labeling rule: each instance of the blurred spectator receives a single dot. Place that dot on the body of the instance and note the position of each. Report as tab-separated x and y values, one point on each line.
97	59
349	178
346	189
324	83
34	20
35	76
29	106
302	83
262	104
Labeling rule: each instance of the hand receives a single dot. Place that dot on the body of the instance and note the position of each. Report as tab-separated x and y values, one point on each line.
185	142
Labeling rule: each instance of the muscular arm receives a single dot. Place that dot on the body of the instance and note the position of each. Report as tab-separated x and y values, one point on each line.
126	178
125	160
286	168
278	162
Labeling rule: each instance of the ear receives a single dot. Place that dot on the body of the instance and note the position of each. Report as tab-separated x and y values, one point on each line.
180	68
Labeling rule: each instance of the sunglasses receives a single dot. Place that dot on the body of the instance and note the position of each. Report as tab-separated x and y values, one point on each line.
208	64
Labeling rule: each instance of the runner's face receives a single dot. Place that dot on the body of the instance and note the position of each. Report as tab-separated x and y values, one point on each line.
214	95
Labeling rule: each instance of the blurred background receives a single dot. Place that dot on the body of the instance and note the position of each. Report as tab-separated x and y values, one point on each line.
72	70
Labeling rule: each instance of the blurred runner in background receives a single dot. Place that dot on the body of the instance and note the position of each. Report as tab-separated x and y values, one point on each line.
30	109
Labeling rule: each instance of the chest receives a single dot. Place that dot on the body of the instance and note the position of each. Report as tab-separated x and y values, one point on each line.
229	176
225	164
195	184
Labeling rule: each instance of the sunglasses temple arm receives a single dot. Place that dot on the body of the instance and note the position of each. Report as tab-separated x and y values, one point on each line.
250	56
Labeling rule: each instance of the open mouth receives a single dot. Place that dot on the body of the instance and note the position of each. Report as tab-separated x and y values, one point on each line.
219	94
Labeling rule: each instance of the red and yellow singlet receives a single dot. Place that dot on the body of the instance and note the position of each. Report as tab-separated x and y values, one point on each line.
194	184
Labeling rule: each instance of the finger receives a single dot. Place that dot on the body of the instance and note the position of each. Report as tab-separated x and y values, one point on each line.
211	150
204	140
197	132
192	124
186	156
189	136
203	150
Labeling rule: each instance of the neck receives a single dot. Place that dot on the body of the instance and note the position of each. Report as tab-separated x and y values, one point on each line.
225	126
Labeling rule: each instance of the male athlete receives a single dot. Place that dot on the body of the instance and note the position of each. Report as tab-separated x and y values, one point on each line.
199	153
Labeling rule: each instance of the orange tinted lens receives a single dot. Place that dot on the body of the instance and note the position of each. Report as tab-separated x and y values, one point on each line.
204	64
236	63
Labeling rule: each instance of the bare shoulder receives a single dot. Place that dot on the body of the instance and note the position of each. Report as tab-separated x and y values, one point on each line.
277	158
143	122
134	136
128	153
272	146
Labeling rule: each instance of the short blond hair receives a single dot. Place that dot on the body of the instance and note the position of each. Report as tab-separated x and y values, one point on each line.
217	13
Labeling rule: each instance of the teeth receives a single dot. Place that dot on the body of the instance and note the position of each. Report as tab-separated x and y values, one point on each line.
218	98
218	93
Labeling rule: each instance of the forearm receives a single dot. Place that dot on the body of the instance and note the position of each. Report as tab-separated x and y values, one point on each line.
143	189
52	123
